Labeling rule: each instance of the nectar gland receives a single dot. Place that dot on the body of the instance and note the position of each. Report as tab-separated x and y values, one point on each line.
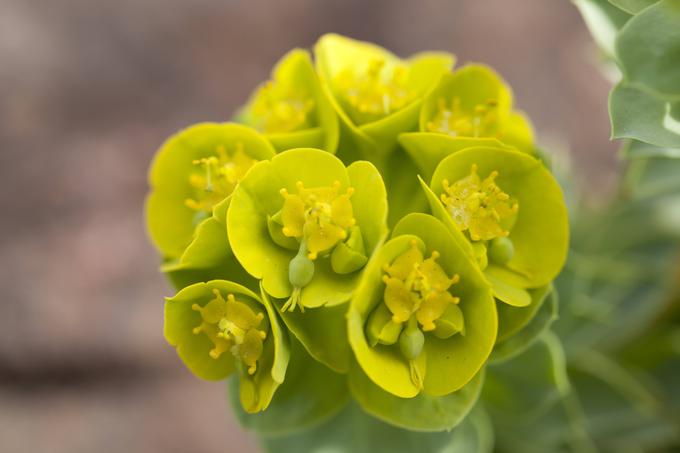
220	174
479	206
233	326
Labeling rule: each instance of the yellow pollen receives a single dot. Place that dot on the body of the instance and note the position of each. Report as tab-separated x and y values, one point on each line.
377	91
279	109
320	216
220	174
233	326
479	206
454	120
415	286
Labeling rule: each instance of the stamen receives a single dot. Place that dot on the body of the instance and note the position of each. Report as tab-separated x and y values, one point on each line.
320	217
377	92
221	173
479	206
480	121
417	293
279	109
233	326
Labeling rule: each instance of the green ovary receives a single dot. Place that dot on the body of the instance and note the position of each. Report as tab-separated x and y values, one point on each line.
481	121
377	91
417	297
279	109
221	172
232	326
479	206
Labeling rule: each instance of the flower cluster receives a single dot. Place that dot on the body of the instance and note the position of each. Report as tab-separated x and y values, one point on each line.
275	230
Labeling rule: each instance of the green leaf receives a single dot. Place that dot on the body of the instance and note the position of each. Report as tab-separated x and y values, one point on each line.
648	48
530	384
513	319
422	413
638	114
322	331
603	21
632	6
310	394
641	150
519	341
353	431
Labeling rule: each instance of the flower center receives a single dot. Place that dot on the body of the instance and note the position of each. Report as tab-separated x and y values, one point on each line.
418	287
319	217
376	92
481	121
280	110
232	326
479	206
220	174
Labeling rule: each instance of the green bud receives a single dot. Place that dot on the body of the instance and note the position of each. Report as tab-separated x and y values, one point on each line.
349	256
301	269
411	340
275	228
380	327
501	250
450	323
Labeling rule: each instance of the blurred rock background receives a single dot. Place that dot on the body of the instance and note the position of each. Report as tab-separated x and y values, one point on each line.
89	90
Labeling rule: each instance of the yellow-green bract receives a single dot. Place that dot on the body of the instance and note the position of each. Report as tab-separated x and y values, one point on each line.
194	171
219	328
444	365
376	94
291	109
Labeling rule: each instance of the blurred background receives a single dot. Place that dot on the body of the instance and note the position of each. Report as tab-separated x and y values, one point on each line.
90	89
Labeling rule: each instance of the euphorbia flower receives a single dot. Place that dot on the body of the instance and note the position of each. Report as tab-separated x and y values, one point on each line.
305	224
195	171
376	94
220	327
470	107
291	109
423	317
510	210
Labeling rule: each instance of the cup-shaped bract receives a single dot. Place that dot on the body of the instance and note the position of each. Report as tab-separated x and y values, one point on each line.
219	328
291	109
195	171
376	94
510	209
469	107
423	317
305	224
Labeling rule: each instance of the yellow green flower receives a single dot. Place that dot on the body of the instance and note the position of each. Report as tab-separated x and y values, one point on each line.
306	225
192	173
423	317
376	94
219	328
472	106
509	210
291	109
